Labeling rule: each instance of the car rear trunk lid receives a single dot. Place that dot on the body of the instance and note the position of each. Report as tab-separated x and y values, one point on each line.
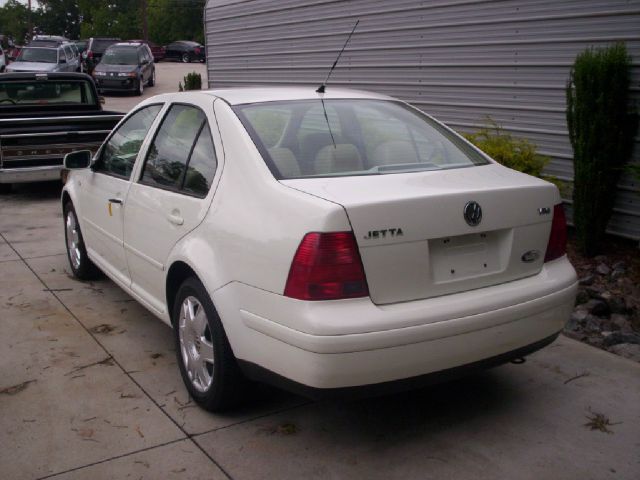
413	237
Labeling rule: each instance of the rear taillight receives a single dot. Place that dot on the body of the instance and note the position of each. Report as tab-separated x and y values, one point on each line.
89	54
557	245
327	266
197	50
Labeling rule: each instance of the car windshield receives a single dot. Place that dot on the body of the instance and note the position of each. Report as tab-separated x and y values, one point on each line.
316	138
41	55
120	56
53	92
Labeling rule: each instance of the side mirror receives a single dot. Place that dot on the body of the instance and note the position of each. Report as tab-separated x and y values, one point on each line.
77	160
102	100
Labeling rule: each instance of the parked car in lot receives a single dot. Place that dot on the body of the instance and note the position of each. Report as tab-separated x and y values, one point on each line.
126	66
339	242
157	50
81	45
13	52
42	118
185	51
96	46
48	40
3	60
59	58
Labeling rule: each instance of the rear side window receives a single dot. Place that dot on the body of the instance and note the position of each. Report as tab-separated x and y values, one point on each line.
182	156
202	165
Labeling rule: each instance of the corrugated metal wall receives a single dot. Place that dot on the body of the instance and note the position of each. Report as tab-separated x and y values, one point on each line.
458	60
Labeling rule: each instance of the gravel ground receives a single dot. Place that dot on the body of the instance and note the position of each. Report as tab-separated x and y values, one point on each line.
607	313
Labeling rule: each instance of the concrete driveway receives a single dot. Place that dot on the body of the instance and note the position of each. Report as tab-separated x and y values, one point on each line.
89	388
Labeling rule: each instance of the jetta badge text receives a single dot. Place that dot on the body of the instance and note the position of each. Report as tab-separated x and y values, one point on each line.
472	213
384	233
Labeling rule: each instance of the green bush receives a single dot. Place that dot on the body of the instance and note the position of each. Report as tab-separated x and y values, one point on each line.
192	81
601	129
516	153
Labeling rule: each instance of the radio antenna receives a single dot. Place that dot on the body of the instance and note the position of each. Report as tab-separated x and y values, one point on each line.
322	87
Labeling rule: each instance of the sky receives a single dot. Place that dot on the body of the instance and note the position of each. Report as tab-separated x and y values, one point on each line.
34	3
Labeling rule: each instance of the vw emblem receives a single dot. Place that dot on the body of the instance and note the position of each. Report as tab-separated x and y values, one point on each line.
473	213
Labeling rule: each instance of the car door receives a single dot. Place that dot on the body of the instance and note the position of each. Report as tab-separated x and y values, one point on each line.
104	192
171	197
146	63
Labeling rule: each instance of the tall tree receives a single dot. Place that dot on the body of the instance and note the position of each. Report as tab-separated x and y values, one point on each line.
59	17
13	20
171	20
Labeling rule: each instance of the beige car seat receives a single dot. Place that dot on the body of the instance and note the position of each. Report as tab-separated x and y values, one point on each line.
343	157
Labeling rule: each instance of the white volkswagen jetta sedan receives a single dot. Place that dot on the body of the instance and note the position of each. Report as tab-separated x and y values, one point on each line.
323	242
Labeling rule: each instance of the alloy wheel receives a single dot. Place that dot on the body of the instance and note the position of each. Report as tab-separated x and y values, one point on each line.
196	344
73	240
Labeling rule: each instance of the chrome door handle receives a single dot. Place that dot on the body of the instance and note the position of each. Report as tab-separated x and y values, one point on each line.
175	218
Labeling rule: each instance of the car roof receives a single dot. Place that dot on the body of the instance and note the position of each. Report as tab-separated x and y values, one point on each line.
41	47
243	95
126	44
246	95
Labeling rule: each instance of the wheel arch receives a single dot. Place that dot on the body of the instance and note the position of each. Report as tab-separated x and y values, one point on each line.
176	275
66	197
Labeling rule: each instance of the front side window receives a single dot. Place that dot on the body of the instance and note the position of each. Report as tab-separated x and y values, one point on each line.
120	152
344	137
69	53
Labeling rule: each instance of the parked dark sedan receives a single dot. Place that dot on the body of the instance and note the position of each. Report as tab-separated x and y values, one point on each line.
126	66
157	50
185	51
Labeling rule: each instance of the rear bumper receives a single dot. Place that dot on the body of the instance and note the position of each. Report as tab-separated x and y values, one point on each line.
30	174
347	343
260	374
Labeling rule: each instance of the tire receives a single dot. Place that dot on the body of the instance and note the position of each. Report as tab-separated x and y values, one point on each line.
81	266
152	79
207	364
186	58
140	87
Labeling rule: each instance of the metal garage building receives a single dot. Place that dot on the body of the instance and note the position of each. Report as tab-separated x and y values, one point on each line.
460	60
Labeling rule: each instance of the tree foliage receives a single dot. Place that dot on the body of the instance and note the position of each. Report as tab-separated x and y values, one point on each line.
601	125
168	20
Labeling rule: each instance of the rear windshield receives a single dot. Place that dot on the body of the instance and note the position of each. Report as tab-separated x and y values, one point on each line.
315	138
120	56
43	55
53	92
